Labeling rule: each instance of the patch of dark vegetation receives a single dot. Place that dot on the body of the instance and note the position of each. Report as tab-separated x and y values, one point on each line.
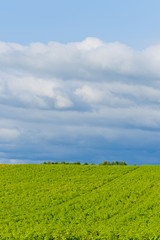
86	163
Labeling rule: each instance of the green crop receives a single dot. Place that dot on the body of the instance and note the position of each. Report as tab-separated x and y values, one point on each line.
60	201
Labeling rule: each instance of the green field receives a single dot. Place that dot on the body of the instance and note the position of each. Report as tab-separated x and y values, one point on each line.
79	202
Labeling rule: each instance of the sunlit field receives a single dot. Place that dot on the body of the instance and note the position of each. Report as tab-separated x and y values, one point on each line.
49	201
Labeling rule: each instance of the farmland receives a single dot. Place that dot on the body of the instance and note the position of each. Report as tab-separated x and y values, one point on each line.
45	201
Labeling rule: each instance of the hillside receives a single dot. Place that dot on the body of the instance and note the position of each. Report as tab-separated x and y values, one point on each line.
79	202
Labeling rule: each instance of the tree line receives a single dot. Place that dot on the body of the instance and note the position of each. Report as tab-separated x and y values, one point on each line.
86	163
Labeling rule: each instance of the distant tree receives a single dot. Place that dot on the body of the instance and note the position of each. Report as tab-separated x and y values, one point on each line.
116	163
77	163
123	163
105	163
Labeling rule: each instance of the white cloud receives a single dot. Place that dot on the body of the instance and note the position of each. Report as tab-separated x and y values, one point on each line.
79	60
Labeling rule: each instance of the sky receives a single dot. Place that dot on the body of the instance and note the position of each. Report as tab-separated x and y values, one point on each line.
80	81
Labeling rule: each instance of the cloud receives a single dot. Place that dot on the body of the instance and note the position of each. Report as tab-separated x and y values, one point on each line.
57	99
7	135
79	60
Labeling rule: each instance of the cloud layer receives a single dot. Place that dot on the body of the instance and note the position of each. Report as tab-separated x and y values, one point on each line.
87	100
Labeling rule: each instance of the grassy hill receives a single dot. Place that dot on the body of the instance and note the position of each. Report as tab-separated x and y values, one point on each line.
79	202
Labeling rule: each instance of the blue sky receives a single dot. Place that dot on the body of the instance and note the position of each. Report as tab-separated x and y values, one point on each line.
135	23
79	81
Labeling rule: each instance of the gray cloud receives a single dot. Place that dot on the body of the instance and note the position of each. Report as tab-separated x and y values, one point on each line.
7	135
62	98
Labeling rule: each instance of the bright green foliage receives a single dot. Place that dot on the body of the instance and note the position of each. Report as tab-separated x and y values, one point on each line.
60	201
